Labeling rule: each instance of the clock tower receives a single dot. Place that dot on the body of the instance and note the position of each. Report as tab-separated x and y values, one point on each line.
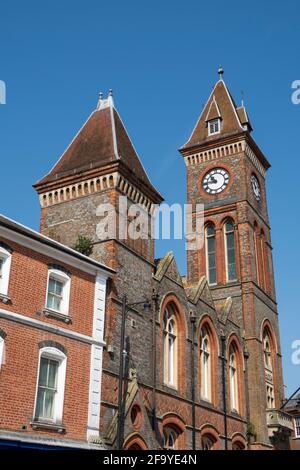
226	171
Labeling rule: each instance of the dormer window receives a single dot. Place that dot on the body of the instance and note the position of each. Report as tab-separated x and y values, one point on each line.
214	126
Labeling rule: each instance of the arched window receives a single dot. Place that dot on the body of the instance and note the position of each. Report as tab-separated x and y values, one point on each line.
170	439
211	267
205	364
2	348
170	347
50	385
5	262
263	259
233	379
267	351
237	445
257	251
268	361
230	251
207	442
58	291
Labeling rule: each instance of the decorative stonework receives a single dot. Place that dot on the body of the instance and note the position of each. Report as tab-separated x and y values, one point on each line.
224	151
249	152
93	185
76	190
214	154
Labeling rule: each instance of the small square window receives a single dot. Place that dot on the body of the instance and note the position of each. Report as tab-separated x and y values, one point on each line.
214	127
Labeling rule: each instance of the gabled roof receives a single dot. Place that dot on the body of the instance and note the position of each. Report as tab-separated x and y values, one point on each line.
243	115
213	110
103	139
219	105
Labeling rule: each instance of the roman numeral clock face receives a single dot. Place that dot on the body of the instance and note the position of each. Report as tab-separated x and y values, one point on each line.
215	181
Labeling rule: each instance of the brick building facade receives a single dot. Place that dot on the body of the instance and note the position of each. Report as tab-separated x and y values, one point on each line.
292	407
52	304
203	368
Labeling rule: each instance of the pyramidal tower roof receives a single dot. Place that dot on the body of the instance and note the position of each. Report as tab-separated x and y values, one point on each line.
220	105
103	140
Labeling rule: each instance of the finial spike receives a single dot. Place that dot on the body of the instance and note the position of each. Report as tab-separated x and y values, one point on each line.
110	92
221	72
100	99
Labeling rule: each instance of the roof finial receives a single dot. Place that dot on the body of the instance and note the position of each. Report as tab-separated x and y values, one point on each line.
110	92
221	72
100	100
242	93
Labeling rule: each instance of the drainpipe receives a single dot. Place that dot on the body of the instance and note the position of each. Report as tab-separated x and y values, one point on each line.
155	307
120	431
223	341
193	321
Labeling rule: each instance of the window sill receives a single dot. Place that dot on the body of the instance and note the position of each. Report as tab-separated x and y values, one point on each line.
47	312
170	387
60	428
235	413
5	298
206	402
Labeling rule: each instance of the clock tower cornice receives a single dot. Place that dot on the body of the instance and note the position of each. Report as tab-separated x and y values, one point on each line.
222	148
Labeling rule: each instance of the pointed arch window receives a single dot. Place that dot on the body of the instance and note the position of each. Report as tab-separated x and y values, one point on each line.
205	364
257	250
230	251
268	361
233	379
211	266
267	351
263	260
170	347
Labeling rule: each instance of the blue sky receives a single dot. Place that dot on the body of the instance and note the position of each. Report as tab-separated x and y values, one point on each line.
161	60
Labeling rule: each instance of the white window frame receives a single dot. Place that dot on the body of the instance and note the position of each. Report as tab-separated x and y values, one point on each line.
60	276
226	233
207	237
234	381
170	348
170	439
205	365
213	122
297	426
4	279
56	355
2	351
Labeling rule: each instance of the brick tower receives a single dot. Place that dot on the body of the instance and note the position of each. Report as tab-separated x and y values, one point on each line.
229	287
226	171
79	196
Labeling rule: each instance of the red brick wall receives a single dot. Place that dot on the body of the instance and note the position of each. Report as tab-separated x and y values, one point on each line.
18	375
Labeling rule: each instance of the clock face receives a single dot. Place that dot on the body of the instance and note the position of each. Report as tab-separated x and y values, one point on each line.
255	187
215	181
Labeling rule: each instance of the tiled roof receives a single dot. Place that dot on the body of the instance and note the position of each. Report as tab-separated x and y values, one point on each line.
103	139
219	105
